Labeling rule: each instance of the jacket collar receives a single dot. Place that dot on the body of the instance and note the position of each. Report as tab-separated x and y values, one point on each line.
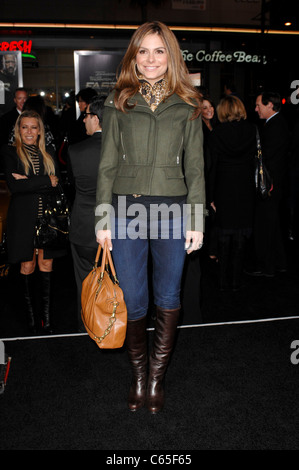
141	104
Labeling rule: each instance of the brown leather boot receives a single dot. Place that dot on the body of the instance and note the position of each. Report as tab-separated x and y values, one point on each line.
136	342
164	337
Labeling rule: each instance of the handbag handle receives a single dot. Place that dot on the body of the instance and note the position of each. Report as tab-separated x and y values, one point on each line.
106	255
110	262
97	256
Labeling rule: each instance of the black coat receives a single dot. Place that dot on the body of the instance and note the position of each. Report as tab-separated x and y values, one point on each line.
268	235
7	122
23	207
83	159
275	142
233	148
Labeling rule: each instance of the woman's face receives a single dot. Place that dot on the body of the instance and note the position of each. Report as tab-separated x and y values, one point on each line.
207	110
29	130
151	59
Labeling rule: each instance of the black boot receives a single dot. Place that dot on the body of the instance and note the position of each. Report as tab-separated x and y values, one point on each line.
28	283
46	278
163	342
136	342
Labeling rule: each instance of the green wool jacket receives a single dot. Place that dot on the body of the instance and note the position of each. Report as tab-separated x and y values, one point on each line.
150	153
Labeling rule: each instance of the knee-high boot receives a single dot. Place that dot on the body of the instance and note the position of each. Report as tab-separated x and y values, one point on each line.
163	342
136	342
28	280
46	278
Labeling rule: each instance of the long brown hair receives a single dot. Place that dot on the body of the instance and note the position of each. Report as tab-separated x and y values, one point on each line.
24	156
178	80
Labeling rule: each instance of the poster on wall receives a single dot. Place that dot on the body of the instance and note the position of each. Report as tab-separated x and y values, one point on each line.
195	78
11	77
96	69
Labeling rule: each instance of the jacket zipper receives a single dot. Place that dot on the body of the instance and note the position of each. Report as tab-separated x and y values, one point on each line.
154	160
123	147
178	154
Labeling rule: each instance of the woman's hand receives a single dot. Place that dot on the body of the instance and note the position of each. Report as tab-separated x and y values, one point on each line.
213	206
19	177
194	241
54	180
103	236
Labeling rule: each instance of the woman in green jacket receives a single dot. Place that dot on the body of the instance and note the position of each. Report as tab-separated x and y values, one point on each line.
151	165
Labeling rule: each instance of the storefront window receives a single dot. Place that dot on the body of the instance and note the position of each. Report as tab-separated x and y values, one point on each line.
51	74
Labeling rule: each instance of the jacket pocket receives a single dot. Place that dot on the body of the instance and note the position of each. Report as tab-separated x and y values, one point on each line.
173	172
127	171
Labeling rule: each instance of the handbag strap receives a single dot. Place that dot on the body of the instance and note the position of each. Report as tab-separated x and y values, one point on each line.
97	256
105	257
258	140
258	144
112	269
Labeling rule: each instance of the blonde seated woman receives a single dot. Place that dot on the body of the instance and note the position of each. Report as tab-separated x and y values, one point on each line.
31	175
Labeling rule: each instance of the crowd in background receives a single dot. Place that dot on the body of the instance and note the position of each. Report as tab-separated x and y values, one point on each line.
236	217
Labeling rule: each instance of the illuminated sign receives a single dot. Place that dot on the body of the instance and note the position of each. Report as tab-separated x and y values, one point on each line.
219	56
23	46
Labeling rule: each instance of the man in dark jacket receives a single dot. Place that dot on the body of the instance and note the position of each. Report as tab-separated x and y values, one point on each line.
269	244
83	162
8	120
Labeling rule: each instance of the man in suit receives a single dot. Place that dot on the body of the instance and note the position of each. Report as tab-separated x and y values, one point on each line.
268	234
83	160
8	120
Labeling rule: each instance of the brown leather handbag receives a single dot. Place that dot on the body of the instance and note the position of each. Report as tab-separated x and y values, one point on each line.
104	312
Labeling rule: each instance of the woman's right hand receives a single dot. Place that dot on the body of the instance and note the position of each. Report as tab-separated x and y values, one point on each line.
17	176
104	236
54	180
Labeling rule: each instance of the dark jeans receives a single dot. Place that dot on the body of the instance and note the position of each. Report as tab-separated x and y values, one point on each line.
130	257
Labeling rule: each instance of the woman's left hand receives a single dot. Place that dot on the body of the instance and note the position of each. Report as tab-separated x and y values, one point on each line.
19	177
54	180
194	241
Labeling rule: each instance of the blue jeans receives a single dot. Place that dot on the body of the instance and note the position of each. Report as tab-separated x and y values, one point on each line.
130	257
